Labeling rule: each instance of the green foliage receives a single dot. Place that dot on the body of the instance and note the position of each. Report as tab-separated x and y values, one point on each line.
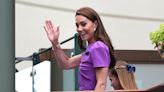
158	35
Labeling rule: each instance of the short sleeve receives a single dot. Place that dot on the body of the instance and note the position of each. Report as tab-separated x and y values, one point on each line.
100	55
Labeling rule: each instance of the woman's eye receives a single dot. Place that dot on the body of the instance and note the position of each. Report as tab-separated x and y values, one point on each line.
83	24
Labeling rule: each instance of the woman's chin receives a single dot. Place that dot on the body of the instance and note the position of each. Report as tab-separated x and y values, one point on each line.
83	38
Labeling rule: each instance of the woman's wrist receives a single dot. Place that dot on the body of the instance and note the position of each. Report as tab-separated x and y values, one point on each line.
56	45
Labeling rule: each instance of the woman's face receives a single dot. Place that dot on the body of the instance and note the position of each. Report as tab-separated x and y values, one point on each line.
115	82
85	28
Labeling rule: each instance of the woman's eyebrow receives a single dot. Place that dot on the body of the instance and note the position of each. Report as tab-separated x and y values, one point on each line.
82	21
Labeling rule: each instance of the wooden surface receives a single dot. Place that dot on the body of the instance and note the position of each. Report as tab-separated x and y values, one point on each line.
157	88
139	56
131	56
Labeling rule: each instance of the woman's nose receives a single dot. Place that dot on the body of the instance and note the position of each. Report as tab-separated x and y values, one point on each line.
79	29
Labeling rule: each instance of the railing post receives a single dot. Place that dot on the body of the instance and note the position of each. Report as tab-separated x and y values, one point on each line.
36	60
77	50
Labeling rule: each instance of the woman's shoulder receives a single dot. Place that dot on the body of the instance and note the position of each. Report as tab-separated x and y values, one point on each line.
99	45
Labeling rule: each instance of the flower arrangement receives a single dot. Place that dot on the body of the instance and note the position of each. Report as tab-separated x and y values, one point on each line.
157	38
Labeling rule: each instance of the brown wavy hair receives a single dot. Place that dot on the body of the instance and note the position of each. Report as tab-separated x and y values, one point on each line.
100	33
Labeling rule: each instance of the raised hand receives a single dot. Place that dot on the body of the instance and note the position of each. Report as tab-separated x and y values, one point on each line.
52	32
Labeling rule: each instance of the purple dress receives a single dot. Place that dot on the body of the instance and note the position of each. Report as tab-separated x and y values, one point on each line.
96	55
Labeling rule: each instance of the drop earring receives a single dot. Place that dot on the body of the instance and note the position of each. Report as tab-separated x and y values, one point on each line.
94	29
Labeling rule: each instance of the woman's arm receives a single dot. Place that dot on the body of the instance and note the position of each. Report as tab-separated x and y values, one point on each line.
64	61
101	76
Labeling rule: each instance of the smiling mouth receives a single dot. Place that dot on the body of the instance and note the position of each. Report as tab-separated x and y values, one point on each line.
81	34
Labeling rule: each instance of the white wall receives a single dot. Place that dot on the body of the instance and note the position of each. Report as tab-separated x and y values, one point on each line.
125	33
128	23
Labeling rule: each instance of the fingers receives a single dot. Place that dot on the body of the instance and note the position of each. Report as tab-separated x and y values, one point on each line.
58	28
48	24
50	28
44	28
51	24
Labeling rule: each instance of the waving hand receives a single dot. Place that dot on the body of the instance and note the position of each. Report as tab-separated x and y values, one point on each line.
52	32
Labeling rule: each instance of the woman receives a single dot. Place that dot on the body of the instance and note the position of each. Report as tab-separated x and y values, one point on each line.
122	76
95	61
